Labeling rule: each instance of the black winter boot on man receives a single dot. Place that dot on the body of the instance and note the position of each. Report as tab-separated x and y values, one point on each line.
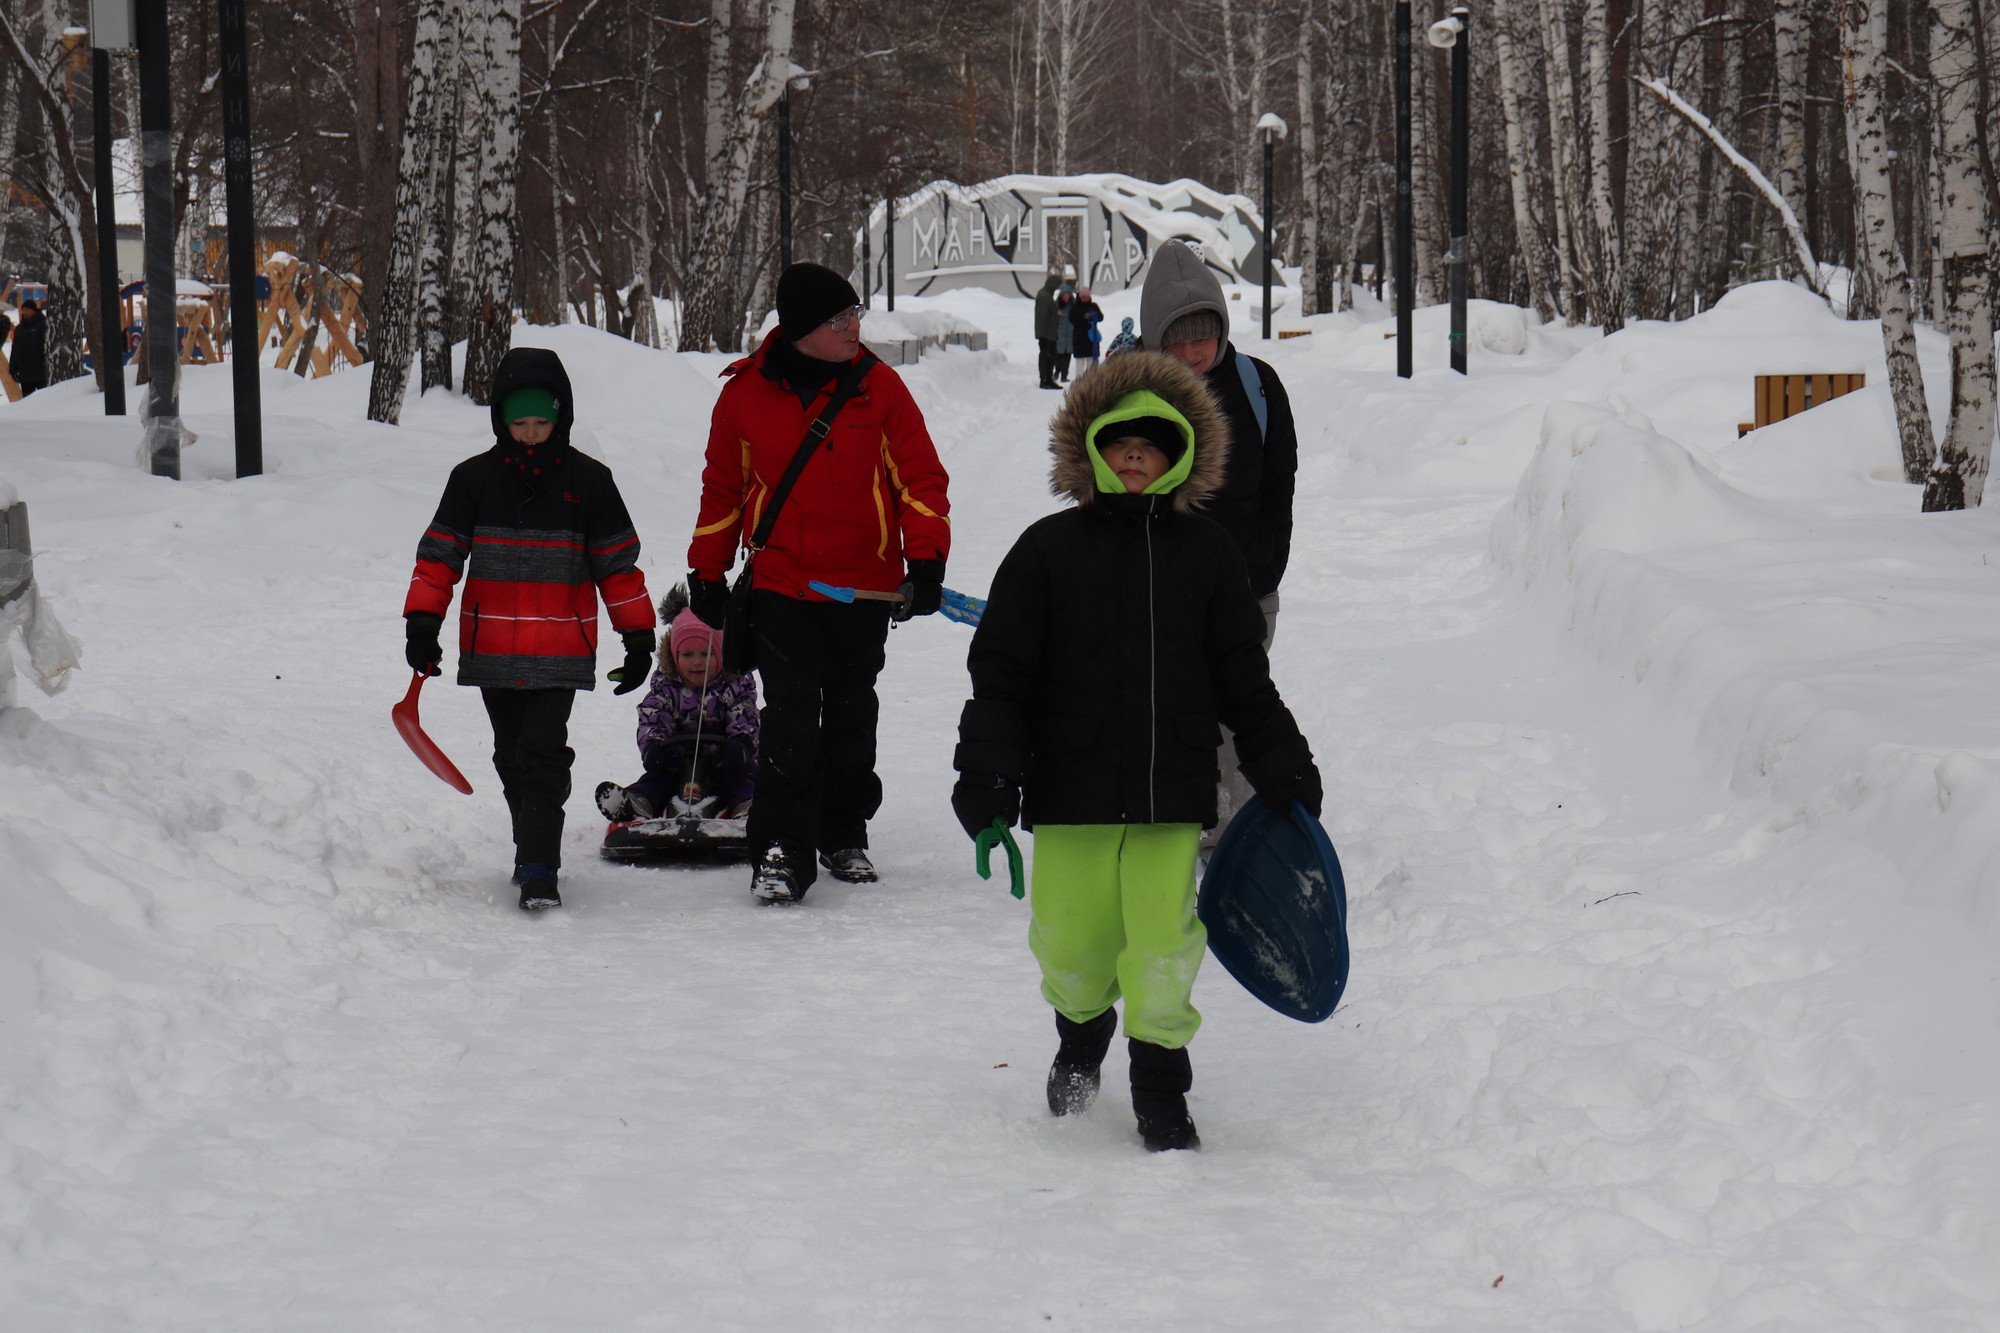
1073	1078
851	865
1160	1080
538	886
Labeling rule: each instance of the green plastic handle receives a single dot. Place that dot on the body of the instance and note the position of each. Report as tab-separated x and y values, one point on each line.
984	842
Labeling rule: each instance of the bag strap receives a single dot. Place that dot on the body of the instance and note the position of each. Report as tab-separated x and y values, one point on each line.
844	388
1253	388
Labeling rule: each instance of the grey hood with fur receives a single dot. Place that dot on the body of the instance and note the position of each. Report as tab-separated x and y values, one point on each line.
1178	283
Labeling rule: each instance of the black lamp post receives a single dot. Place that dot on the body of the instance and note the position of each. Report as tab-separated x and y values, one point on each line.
1272	127
1406	281
243	348
1452	33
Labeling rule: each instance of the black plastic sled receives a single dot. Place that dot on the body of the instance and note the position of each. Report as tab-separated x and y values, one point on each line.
688	832
1275	906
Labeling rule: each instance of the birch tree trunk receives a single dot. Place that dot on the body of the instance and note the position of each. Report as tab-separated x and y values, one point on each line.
491	330
1309	206
715	110
1523	163
722	210
1432	236
1788	41
1958	481
1609	289
1575	269
434	267
396	320
1864	35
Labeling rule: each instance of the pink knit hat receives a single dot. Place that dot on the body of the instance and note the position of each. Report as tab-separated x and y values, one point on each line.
688	630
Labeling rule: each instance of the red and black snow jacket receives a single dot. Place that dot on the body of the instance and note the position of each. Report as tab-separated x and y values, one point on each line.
545	531
872	497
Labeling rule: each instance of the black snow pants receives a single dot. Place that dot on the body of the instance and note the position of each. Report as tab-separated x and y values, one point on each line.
1045	360
532	755
816	781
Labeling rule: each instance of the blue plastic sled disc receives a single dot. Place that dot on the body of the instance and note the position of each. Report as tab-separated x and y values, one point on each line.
1275	906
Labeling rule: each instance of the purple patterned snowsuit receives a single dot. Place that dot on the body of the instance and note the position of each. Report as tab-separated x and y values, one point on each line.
728	728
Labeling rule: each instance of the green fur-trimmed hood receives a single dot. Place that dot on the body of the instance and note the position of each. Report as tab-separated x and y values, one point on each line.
1093	395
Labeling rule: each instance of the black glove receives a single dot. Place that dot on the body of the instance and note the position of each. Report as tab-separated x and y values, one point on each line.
709	598
422	651
981	798
1302	786
638	666
923	590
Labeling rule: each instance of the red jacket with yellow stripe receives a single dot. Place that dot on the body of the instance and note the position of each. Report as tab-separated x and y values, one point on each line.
870	498
538	534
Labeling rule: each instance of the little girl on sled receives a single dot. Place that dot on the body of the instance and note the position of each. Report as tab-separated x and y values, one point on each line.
697	729
1120	635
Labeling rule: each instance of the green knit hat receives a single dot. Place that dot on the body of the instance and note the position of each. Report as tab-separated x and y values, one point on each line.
529	403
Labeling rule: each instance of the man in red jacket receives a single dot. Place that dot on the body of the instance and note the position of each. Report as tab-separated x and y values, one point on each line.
539	532
867	512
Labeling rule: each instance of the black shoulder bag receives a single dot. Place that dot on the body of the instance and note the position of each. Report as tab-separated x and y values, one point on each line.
739	653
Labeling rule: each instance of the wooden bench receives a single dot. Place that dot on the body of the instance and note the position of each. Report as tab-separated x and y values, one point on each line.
1786	395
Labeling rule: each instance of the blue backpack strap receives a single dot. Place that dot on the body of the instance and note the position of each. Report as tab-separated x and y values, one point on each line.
1253	388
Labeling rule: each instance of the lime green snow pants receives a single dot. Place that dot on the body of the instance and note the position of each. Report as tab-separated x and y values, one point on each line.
1113	914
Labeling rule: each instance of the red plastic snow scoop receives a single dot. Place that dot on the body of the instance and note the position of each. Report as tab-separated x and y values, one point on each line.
425	749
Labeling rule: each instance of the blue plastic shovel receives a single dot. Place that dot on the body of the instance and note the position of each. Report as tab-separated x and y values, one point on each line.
957	606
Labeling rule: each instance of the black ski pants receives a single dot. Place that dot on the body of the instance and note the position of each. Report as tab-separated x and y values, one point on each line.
816	781
1045	360
532	756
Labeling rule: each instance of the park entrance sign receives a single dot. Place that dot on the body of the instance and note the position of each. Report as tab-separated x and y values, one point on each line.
1003	234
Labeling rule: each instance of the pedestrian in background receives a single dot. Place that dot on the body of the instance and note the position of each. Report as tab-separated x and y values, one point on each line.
29	361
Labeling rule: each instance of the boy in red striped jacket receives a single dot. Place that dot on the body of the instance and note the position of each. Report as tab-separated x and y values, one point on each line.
546	533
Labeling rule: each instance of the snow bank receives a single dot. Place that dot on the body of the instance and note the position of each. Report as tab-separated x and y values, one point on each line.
1829	645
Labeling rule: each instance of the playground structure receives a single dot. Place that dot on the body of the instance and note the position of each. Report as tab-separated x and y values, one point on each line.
1005	234
285	301
284	305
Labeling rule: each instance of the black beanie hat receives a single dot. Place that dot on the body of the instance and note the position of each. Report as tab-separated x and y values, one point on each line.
808	296
1159	431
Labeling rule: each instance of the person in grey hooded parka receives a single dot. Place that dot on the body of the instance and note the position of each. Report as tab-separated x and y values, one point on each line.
1182	312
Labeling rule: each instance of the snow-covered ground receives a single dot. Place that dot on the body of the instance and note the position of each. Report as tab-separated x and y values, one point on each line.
1665	769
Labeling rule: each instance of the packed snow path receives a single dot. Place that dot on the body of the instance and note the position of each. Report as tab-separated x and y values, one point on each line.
1630	1043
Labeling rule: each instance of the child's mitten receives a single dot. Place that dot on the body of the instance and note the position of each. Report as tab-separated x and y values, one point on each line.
422	650
638	666
1302	786
981	798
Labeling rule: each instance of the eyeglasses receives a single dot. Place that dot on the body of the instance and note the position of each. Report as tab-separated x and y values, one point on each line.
846	317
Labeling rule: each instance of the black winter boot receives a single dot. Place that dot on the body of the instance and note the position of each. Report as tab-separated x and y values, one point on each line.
1160	1080
1073	1078
538	886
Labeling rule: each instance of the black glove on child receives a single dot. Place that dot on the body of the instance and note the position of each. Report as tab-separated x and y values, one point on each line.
709	598
1302	786
923	590
981	798
422	650
638	665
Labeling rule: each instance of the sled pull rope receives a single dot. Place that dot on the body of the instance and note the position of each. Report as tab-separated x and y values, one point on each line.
984	842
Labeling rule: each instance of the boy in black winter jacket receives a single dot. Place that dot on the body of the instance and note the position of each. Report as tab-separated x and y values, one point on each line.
540	533
1118	637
